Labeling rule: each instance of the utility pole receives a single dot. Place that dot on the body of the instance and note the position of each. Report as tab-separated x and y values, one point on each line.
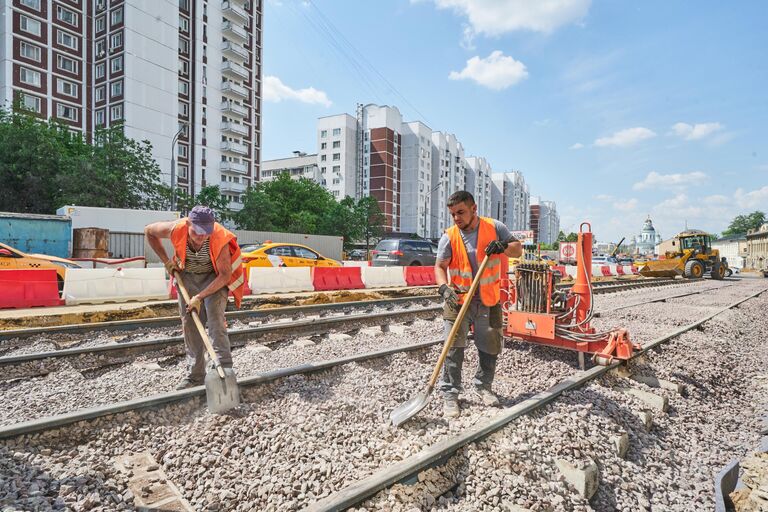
173	165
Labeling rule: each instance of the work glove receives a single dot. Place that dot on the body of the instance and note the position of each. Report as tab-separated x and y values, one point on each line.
194	304
449	296
172	267
496	247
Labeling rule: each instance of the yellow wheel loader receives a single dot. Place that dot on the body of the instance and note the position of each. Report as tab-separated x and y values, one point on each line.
692	258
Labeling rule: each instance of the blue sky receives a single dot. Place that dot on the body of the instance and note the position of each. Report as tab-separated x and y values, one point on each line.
615	110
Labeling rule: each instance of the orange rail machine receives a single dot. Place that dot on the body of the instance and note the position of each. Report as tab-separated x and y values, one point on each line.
561	318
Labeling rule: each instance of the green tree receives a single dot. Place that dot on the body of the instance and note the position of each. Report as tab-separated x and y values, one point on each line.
742	224
371	219
209	196
259	211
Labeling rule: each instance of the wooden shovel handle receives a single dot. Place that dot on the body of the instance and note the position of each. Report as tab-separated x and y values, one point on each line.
200	327
457	324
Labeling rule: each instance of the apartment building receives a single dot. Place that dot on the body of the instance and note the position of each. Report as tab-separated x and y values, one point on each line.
162	69
416	183
337	154
448	176
515	200
301	165
479	183
544	220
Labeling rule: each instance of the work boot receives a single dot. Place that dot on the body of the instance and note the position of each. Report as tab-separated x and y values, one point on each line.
451	407
188	383
488	397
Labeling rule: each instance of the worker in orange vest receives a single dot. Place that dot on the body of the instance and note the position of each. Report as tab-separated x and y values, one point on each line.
459	253
207	259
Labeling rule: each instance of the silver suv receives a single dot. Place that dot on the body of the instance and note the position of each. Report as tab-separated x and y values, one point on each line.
403	252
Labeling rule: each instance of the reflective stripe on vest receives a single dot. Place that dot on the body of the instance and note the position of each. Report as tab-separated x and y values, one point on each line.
460	270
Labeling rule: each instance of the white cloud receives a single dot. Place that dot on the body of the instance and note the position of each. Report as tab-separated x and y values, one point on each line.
626	137
695	131
578	145
276	91
753	199
626	206
603	197
497	17
496	71
676	180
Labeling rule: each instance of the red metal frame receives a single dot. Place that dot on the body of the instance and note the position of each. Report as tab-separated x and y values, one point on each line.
541	327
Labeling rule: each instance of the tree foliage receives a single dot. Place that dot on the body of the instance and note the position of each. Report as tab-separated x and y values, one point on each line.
570	237
209	196
742	224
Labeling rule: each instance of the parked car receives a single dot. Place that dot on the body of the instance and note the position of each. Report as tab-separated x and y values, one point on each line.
271	254
403	252
356	255
14	259
604	260
625	261
731	271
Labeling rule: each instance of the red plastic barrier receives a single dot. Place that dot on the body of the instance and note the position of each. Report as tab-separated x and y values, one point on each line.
337	278
28	288
561	269
420	276
620	270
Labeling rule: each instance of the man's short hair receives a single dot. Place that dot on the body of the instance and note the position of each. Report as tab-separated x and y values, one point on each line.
461	196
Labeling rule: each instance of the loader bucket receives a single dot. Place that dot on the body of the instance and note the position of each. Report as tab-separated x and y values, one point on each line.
662	268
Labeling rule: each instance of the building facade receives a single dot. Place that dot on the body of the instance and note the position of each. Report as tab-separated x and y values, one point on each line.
479	183
733	249
157	69
416	184
515	200
757	248
645	243
300	166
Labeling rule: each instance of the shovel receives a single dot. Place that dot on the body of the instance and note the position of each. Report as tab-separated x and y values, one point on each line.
221	390
417	402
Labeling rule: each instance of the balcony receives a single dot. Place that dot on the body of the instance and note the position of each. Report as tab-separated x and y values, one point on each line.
234	13
237	188
234	206
235	129
234	147
230	107
234	70
233	167
232	89
234	32
234	50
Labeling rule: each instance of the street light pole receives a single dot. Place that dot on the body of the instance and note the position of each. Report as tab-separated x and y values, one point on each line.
173	166
427	197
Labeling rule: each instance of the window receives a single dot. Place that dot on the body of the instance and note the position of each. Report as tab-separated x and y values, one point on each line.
66	88
67	64
65	39
336	132
31	102
32	4
100	93
336	157
66	112
183	67
181	150
322	158
183	171
29	77
302	252
66	16
336	168
183	46
100	25
116	41
183	24
323	145
336	144
184	88
100	70
323	133
117	16
30	51
336	181
116	113
101	49
100	117
281	250
322	170
116	64
101	5
116	89
30	26
183	109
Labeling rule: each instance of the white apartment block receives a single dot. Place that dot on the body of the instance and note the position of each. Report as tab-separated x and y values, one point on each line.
416	184
158	68
515	200
479	183
300	166
497	209
337	154
448	176
544	220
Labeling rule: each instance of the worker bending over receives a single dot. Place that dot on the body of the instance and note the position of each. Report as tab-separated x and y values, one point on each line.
459	253
207	260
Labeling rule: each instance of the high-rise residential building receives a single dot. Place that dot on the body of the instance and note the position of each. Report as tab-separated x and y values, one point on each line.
159	69
416	183
497	209
448	176
301	165
515	199
337	154
544	220
479	183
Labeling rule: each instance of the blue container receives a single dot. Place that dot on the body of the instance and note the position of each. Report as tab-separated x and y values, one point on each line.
41	234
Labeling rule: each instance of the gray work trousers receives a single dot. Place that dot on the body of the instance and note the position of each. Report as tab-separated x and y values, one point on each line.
488	340
212	316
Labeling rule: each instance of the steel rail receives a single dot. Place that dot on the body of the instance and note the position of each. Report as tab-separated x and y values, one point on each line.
363	489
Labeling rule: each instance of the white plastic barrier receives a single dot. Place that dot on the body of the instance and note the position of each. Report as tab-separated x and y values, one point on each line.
96	285
383	277
351	263
280	279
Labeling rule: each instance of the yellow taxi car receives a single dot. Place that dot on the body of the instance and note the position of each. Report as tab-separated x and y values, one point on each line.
271	254
14	259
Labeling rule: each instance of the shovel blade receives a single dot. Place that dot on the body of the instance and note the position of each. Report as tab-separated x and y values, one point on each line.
222	394
409	408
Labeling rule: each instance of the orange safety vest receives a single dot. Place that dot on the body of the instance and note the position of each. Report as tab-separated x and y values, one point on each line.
460	271
220	238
